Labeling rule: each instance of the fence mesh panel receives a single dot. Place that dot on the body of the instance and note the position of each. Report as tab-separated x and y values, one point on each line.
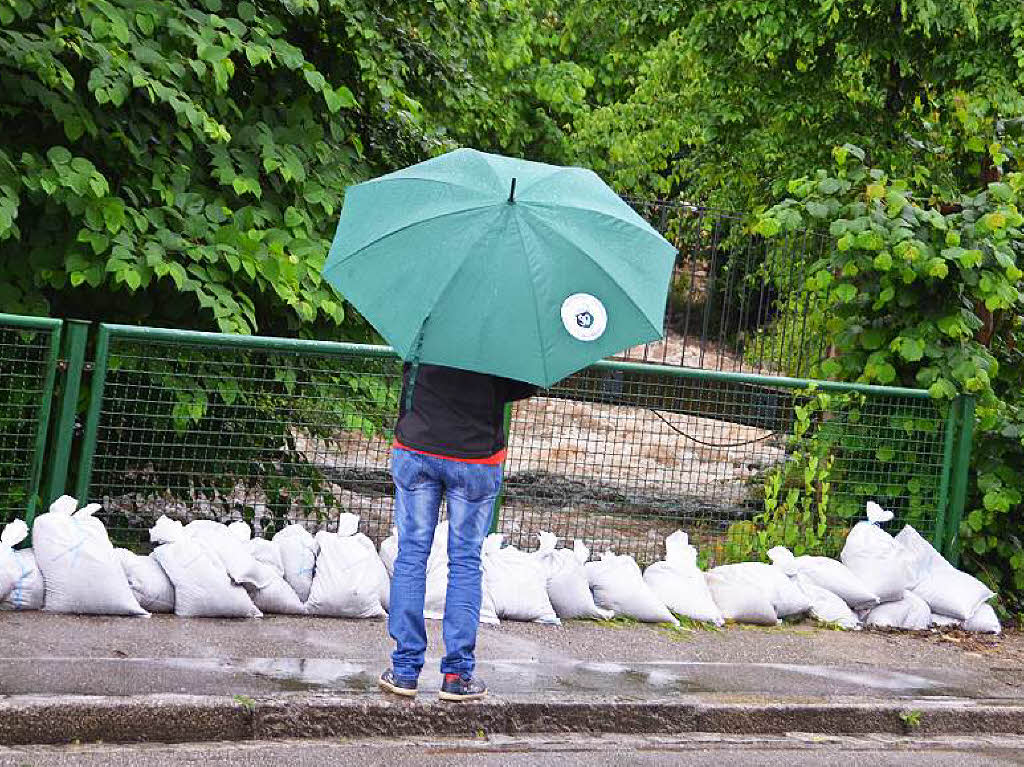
266	435
27	363
737	302
623	459
618	455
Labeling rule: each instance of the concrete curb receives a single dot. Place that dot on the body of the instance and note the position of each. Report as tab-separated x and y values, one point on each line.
27	720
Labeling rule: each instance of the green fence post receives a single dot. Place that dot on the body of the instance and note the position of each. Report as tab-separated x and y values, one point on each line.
72	364
961	467
92	417
42	426
496	512
948	445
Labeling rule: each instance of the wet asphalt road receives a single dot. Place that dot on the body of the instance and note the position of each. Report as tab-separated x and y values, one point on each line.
792	751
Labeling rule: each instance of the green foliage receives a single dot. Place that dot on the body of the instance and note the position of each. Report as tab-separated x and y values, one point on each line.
247	703
24	355
148	152
845	449
796	513
733	99
796	342
911	719
931	296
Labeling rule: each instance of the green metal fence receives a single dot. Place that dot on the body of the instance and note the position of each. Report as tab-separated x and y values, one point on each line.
276	430
29	349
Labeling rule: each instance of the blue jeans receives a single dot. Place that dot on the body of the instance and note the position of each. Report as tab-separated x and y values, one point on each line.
420	482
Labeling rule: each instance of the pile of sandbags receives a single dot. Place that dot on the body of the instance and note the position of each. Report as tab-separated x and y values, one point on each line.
210	569
890	582
202	569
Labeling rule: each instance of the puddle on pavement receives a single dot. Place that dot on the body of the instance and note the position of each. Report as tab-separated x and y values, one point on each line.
267	676
879	679
625	680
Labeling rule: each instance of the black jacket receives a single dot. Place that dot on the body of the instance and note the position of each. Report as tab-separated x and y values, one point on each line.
456	413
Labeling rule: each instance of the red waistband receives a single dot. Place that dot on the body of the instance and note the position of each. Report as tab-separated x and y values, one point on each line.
488	461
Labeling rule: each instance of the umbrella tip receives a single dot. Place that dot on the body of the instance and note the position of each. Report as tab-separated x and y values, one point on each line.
512	193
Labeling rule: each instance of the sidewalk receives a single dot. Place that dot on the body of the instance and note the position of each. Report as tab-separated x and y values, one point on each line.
64	678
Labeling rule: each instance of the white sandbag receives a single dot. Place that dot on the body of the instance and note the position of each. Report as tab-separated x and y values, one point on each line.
944	621
389	551
739	599
263	580
350	577
680	584
618	585
29	590
919	554
876	558
148	581
267	553
984	621
947	591
230	543
81	572
910	614
786	597
298	555
202	587
567	585
516	582
828	574
10	569
826	606
277	597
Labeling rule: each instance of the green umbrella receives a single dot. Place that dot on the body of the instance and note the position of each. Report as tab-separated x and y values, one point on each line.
487	263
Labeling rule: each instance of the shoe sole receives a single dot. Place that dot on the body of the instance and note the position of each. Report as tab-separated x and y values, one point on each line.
455	698
405	692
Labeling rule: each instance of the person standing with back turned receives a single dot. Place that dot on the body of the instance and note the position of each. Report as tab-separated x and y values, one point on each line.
450	443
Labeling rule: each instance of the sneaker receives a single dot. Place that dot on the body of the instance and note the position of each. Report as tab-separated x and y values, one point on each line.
462	687
390	683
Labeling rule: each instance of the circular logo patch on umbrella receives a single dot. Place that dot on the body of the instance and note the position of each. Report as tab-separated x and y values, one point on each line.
584	317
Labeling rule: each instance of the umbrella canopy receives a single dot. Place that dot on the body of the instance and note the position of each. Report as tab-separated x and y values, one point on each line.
503	266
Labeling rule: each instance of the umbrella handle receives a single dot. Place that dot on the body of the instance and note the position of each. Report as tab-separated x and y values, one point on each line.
415	365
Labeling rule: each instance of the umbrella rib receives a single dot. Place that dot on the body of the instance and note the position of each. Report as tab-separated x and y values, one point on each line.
536	305
401	229
612	279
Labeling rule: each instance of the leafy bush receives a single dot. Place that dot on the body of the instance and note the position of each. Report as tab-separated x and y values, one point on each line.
931	296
